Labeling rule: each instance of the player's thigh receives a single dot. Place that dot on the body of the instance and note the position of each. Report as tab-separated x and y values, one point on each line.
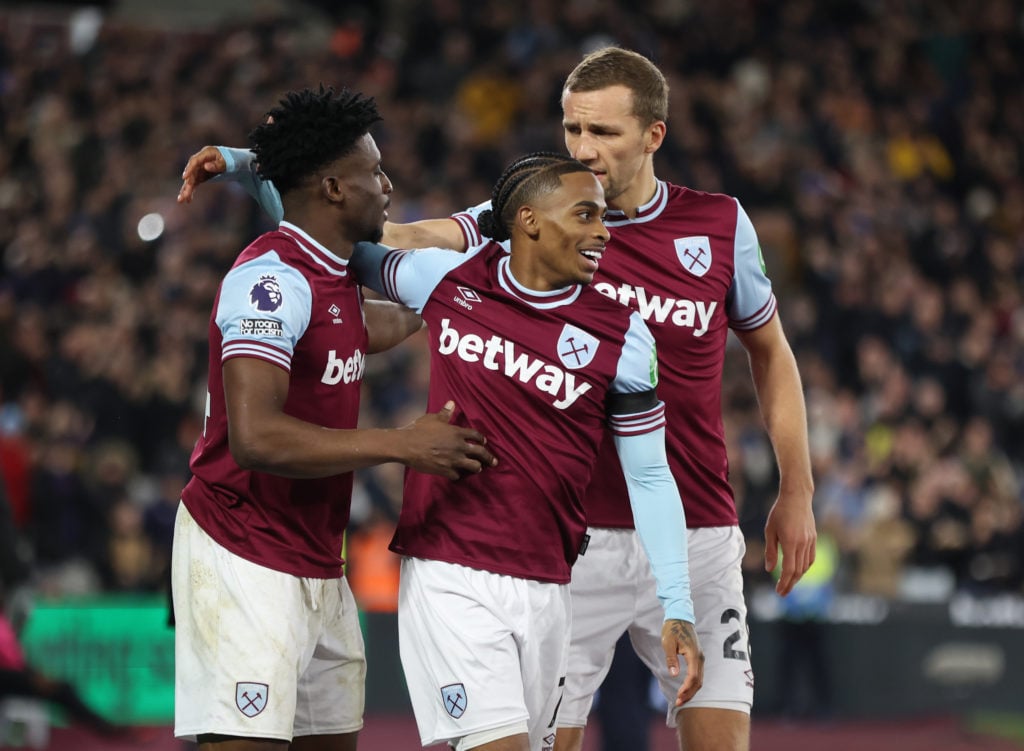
519	742
330	696
482	653
228	610
716	581
344	742
714	729
604	597
716	555
213	742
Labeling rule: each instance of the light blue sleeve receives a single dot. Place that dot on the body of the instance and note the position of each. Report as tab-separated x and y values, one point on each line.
750	301
467	220
659	518
264	309
653	494
638	364
405	276
241	168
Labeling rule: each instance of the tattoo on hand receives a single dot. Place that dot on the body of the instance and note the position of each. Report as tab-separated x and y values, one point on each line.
683	632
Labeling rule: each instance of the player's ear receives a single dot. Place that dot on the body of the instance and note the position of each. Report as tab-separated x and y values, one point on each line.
526	220
332	189
654	136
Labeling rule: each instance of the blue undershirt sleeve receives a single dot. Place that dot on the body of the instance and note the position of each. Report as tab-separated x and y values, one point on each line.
241	168
659	518
405	276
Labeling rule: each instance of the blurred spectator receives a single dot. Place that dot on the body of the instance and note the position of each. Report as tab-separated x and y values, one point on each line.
19	678
803	652
622	705
372	569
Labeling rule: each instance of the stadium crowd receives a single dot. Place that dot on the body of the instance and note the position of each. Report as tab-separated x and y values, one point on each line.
877	146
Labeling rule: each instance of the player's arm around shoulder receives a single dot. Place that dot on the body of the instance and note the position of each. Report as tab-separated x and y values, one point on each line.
264	438
425	233
458	232
388	324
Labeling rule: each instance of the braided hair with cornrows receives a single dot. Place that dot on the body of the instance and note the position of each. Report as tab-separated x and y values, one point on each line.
308	130
527	178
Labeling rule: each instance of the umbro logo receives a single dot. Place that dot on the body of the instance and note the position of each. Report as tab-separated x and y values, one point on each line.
335	312
466	297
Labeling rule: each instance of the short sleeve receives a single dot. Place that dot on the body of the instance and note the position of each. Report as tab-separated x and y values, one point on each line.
263	310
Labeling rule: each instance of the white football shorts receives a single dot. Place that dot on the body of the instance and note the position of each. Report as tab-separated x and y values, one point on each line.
613	591
259	653
484	654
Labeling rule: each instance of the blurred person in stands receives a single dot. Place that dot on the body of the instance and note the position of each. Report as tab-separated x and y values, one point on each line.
268	649
690	264
804	664
19	678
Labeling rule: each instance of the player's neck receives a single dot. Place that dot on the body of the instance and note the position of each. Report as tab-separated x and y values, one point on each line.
639	192
323	229
531	274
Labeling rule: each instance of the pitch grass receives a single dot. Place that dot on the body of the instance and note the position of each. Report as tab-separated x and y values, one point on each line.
1000	724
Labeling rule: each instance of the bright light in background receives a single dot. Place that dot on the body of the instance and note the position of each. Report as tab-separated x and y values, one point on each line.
83	28
151	226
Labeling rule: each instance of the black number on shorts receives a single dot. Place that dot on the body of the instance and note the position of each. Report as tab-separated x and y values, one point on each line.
561	695
727	651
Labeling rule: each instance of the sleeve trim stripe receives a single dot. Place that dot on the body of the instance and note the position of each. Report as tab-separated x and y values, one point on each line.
638	429
470	230
759	318
643	422
389	273
253	349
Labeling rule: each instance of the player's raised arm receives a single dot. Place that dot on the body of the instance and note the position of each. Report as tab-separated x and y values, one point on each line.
205	164
236	165
457	232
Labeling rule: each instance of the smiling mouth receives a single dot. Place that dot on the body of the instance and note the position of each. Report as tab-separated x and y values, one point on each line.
592	254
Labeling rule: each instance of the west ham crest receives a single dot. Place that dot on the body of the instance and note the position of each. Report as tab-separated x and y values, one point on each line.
251	698
455	699
576	348
694	253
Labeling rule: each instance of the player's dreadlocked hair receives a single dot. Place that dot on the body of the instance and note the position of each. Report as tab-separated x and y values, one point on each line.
307	130
522	181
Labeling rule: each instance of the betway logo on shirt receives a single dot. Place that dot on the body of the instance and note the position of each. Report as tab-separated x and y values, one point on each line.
501	355
691	314
348	370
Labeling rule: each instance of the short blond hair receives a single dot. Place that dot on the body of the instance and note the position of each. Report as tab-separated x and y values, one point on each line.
616	66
